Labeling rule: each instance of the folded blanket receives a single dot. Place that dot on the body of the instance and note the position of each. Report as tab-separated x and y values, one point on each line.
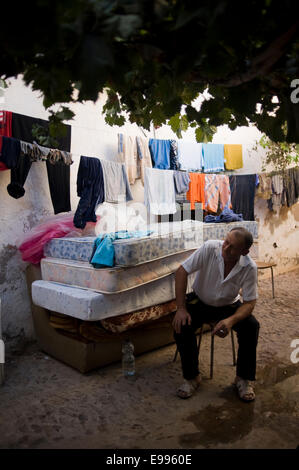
227	215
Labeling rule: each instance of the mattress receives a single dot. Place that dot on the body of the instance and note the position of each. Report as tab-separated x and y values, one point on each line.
88	305
218	231
109	280
167	238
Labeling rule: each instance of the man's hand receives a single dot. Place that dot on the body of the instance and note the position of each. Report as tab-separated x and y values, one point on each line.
222	328
182	317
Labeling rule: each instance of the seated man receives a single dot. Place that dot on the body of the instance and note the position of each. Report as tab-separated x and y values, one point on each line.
223	267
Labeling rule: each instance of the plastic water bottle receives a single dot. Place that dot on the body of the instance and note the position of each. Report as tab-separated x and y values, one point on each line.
128	359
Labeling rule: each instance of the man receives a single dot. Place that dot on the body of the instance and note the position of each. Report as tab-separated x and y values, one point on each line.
223	268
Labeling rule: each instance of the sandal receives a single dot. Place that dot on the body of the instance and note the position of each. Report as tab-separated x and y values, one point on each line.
187	389
245	389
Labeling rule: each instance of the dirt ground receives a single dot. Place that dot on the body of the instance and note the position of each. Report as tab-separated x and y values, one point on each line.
46	404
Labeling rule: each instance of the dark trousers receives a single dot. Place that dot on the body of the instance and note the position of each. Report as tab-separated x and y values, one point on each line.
247	332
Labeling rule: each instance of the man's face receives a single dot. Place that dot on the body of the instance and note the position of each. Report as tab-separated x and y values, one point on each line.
233	248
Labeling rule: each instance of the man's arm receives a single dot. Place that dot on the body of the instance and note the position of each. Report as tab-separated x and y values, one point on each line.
224	326
181	316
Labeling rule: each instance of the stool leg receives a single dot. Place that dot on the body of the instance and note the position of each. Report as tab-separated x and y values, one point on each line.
212	357
233	348
272	282
199	340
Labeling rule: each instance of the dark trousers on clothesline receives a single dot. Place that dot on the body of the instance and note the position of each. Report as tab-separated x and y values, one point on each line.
247	332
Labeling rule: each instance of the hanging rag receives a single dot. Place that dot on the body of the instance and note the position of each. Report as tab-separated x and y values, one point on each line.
291	186
18	164
173	156
10	152
227	215
39	153
264	189
116	184
90	188
5	130
160	153
127	154
58	177
144	157
190	155
233	158
103	249
278	192
213	157
159	192
217	189
181	181
242	194
196	192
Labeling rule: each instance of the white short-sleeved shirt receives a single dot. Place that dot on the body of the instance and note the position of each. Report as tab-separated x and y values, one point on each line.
210	285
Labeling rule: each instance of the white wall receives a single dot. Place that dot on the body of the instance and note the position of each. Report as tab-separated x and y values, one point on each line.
278	232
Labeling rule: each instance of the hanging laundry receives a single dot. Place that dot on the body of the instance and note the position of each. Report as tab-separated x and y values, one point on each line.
159	192
144	157
38	153
173	156
291	185
5	130
227	215
190	155
10	152
59	185
58	177
242	194
160	153
19	166
116	184
233	158
196	191
181	181
217	189
127	154
264	188
21	128
278	192
90	188
103	248
213	157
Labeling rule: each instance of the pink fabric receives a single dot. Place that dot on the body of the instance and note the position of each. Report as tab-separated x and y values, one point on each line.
5	130
61	225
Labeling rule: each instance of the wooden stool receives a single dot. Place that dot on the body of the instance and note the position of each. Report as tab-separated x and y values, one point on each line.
212	347
263	265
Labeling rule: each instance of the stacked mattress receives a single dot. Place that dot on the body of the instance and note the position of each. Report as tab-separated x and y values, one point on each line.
166	238
142	278
144	275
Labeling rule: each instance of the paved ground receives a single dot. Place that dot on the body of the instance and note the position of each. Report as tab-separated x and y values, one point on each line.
46	404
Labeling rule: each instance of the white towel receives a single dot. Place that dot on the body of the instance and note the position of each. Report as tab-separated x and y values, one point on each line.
190	155
159	192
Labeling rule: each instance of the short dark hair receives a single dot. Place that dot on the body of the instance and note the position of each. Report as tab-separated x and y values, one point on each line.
245	234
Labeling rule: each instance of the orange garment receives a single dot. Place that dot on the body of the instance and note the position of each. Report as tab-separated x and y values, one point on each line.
217	186
196	191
